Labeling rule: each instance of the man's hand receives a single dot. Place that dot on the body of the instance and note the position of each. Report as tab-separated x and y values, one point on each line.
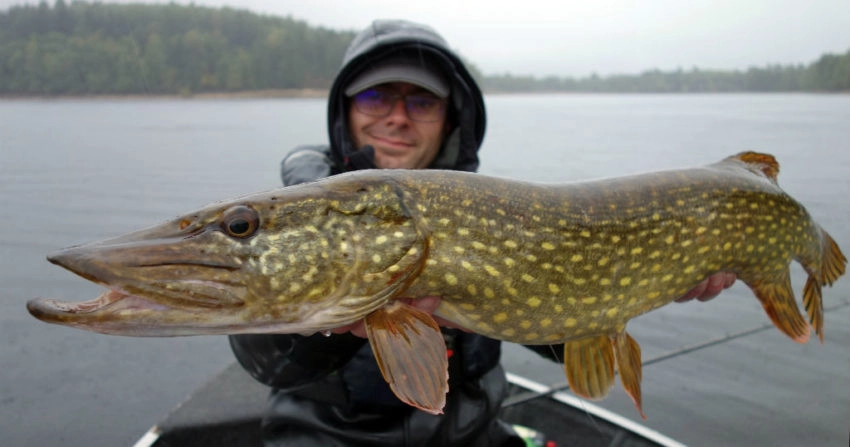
710	288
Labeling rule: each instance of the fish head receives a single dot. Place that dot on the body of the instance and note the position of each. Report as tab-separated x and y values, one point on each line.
296	260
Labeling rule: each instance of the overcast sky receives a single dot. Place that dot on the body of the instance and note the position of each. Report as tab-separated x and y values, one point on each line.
577	38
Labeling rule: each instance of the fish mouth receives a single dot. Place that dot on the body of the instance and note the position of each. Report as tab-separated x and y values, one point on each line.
119	312
157	287
111	301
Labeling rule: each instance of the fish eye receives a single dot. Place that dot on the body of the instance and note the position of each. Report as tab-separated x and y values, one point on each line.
240	221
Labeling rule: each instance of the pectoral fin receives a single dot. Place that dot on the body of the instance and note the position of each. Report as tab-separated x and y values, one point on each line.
411	353
627	355
777	298
589	364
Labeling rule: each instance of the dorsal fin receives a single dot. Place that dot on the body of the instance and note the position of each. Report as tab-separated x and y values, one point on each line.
765	163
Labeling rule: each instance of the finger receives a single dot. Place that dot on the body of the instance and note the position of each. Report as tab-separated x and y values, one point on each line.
357	328
730	280
426	304
693	293
715	284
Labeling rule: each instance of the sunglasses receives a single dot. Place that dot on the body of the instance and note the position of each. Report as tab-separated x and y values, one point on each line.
420	107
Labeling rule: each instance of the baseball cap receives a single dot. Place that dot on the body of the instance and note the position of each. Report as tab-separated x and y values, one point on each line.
402	68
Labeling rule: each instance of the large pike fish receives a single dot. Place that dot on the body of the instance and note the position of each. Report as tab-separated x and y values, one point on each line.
523	262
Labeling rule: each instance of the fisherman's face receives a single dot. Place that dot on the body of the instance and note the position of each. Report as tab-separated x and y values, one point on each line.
399	141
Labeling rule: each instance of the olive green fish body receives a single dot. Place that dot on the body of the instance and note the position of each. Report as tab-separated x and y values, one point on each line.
534	264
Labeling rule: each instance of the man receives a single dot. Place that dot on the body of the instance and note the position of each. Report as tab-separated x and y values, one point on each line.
402	99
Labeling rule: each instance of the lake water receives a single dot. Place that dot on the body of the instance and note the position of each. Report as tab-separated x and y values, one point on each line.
77	171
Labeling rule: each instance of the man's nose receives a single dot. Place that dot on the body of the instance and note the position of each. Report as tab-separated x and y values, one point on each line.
399	111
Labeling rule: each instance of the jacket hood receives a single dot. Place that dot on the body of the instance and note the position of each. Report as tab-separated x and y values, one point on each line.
387	37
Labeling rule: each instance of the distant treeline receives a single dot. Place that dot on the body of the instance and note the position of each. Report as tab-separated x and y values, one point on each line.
82	49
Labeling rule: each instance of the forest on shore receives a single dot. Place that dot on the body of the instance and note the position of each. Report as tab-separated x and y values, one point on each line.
81	48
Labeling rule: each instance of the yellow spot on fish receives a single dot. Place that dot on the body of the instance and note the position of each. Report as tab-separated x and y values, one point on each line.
381	239
559	308
602	261
500	317
612	312
625	281
451	279
472	289
466	265
491	270
547	246
554	288
510	244
533	301
489	293
637	250
589	300
527	278
570	322
576	258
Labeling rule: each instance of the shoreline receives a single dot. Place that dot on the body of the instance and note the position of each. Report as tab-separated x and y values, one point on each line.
316	93
244	94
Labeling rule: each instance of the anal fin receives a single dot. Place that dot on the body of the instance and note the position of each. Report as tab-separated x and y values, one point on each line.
411	354
813	303
589	365
777	299
629	366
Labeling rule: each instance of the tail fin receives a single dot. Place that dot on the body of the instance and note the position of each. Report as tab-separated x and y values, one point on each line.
833	264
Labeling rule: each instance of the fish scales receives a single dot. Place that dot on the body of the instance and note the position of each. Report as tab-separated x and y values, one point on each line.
517	261
541	265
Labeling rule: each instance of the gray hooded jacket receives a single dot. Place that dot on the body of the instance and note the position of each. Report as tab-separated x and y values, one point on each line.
382	39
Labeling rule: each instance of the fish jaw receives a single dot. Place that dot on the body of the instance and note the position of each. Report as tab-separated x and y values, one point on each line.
116	313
